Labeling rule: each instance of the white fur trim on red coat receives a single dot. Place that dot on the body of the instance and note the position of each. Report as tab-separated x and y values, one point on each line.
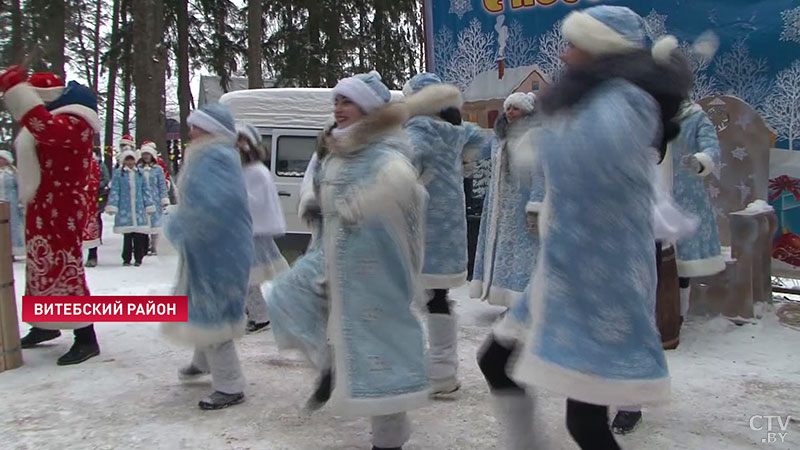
593	36
29	174
20	99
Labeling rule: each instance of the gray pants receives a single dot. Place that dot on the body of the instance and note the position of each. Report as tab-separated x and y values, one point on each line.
390	431
222	361
256	306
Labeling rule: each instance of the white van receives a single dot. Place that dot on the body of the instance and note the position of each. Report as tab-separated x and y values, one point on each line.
289	120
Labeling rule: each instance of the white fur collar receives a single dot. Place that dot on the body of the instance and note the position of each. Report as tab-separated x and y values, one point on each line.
373	127
85	113
689	110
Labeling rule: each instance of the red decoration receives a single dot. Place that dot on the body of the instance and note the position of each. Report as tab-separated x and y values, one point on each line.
781	184
45	80
91	228
787	248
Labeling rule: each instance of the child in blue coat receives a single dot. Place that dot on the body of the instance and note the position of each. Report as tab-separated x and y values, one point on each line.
9	193
131	202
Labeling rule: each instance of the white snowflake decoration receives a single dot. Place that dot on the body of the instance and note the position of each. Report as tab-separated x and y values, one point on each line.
460	7
791	25
744	190
744	121
739	153
36	125
713	191
655	24
717	170
718	212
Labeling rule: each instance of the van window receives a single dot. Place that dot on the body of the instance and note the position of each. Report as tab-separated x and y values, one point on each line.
294	153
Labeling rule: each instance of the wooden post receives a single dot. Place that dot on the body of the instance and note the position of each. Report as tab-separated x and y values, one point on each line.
10	350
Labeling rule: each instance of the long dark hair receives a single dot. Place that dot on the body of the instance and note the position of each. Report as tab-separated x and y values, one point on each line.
252	154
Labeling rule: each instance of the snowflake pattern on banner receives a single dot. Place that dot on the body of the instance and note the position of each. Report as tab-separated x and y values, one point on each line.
744	121
791	25
717	170
713	191
655	25
460	7
744	190
739	153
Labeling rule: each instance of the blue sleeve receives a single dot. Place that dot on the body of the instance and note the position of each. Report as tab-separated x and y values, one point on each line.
422	137
146	191
113	195
477	138
162	188
707	140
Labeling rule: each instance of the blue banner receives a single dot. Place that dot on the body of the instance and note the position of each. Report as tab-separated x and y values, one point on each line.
470	42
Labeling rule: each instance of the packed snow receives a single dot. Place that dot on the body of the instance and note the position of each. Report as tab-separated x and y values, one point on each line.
130	397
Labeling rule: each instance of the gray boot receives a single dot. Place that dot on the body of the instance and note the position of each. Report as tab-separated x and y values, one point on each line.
516	412
443	353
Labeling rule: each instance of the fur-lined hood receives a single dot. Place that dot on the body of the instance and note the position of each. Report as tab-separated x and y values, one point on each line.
371	128
432	99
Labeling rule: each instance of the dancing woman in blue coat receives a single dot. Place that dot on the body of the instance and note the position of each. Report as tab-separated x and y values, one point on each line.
130	200
586	327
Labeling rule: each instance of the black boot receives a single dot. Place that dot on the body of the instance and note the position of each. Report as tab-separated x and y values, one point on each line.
37	335
220	400
323	392
91	261
626	422
84	347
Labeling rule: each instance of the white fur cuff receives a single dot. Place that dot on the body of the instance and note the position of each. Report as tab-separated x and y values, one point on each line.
20	99
593	36
111	209
150	209
707	162
534	207
164	202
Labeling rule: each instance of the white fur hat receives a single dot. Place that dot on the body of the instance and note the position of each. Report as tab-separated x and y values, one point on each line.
522	101
128	153
365	90
149	147
5	154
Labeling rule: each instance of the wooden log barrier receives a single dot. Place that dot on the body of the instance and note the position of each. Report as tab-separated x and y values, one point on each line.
10	350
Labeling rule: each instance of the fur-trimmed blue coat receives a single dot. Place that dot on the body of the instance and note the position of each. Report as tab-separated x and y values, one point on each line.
506	250
372	249
10	193
440	149
592	334
699	255
213	235
157	186
130	201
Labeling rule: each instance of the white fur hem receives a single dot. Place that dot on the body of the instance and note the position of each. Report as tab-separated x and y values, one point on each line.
111	209
154	230
21	99
448	281
18	251
496	296
307	200
381	406
123	230
586	388
701	267
534	207
195	335
267	272
59	325
706	161
150	209
84	112
91	244
593	36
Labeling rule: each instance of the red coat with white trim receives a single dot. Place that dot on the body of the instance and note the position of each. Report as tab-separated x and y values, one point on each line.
54	150
91	229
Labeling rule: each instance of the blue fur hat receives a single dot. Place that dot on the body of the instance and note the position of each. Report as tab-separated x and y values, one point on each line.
605	30
419	81
74	94
365	90
215	119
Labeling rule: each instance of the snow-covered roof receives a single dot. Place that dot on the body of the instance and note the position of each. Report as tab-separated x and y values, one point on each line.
486	85
284	107
211	90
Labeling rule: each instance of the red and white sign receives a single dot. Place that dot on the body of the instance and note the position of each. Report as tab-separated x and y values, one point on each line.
105	309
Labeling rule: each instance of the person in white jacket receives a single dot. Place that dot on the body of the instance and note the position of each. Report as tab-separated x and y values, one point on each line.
268	223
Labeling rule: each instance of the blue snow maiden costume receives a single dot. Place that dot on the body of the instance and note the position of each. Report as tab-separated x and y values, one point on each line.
212	232
440	150
157	186
355	286
506	250
10	193
129	199
699	255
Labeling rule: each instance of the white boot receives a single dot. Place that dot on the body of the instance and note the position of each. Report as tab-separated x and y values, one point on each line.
685	293
443	353
516	413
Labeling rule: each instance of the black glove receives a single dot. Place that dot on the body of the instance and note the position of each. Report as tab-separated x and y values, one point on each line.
452	115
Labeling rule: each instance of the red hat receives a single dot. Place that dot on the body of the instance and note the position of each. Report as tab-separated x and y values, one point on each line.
48	85
127	140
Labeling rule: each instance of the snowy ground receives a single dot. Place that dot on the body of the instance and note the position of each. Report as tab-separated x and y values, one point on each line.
129	396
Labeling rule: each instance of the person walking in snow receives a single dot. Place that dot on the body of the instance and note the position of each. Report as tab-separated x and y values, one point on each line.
441	145
506	251
54	146
100	199
212	232
157	187
268	223
91	227
372	208
10	193
131	202
587	329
